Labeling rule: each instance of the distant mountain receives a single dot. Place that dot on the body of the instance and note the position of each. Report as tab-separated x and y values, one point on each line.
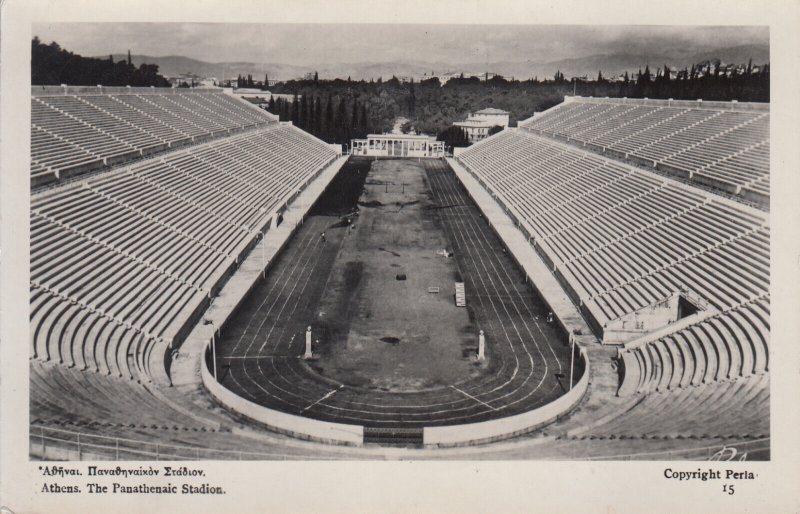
618	64
175	65
736	54
613	64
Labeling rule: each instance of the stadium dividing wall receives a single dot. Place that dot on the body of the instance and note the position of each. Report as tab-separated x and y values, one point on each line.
246	207
718	247
723	146
296	426
510	426
531	258
175	340
349	434
581	298
433	437
246	275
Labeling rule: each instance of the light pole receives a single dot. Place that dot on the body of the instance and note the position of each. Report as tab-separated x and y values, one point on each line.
207	321
302	211
263	255
214	348
571	357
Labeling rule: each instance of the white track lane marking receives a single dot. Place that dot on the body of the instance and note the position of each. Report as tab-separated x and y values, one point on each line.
328	395
262	357
303	243
303	265
497	314
457	231
308	300
472	397
482	236
527	308
250	379
297	297
277	371
464	243
479	237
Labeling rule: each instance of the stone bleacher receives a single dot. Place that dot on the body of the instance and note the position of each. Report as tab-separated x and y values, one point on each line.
723	145
620	238
123	262
727	346
77	130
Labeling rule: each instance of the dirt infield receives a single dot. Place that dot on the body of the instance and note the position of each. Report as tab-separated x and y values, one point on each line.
377	331
387	352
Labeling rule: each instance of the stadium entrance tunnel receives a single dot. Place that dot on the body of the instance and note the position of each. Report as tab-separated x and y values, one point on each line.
676	310
393	361
394	436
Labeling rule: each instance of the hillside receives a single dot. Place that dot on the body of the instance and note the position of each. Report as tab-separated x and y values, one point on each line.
610	64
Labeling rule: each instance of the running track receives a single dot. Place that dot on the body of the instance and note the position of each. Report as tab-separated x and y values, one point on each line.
258	355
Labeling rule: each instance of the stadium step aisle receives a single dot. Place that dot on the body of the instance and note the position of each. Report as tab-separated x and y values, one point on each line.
114	106
625	239
669	239
121	261
71	396
737	408
724	146
74	133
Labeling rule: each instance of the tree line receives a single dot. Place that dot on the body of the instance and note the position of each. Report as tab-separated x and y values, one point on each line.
707	82
432	107
334	120
51	65
341	109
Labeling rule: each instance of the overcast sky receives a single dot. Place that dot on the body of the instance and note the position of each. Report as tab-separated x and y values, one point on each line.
306	44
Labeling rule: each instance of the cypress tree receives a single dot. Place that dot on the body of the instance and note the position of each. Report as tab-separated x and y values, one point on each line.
304	116
412	100
363	124
342	126
301	112
295	110
328	129
285	110
317	117
355	128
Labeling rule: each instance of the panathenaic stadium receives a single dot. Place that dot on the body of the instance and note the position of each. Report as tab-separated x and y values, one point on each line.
208	282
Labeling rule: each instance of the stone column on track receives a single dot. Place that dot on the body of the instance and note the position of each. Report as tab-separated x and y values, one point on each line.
308	353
